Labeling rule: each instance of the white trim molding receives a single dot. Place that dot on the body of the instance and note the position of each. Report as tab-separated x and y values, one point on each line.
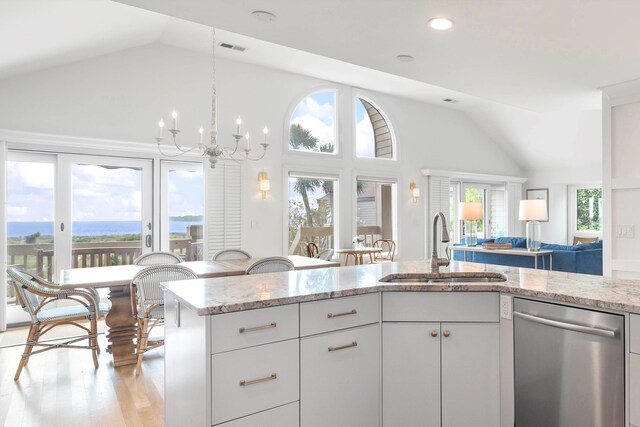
473	177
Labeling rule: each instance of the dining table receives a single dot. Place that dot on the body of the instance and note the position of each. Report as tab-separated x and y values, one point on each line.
358	254
120	320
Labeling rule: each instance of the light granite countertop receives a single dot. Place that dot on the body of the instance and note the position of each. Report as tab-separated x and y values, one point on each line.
237	293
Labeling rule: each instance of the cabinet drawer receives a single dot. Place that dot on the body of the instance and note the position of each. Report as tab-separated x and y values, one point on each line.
440	307
243	329
634	389
339	313
634	333
340	378
282	416
254	379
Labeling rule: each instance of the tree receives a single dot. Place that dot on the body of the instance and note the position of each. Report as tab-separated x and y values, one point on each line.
588	208
303	186
300	137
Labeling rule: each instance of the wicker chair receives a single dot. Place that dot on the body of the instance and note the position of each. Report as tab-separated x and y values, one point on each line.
388	247
35	293
227	254
270	265
147	302
325	254
157	258
312	250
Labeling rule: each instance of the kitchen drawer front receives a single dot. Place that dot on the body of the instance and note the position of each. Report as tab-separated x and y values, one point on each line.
243	329
634	389
254	379
634	333
282	416
339	313
440	307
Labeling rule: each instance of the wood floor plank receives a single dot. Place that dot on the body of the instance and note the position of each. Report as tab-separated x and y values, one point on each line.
61	388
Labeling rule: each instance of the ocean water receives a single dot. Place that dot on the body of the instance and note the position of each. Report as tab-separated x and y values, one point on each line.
90	228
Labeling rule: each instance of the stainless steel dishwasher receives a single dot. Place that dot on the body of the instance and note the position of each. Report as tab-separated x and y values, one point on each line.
569	366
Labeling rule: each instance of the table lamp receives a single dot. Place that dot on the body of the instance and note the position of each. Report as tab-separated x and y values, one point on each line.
471	211
533	211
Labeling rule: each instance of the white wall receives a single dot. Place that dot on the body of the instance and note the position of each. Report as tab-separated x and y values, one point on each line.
558	182
122	96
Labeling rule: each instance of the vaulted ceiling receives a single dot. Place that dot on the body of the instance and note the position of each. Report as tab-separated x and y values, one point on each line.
527	73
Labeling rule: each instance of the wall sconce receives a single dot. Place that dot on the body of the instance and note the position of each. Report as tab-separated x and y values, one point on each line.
265	185
415	192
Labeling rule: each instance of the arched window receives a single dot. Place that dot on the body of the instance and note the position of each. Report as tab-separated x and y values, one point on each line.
373	136
312	126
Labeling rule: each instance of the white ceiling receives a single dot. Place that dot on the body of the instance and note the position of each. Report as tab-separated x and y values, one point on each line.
526	72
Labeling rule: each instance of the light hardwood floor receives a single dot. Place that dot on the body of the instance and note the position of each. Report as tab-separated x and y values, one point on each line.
61	388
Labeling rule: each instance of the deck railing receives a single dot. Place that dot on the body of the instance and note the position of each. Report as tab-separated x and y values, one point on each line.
323	237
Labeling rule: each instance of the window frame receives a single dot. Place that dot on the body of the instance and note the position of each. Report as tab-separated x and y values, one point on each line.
572	212
337	154
394	146
378	179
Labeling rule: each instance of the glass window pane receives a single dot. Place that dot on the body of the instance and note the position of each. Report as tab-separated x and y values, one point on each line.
311	213
106	215
374	216
588	208
186	209
312	124
30	215
476	195
373	136
498	211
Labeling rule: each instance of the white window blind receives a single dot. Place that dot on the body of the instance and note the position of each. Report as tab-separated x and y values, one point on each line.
223	226
438	202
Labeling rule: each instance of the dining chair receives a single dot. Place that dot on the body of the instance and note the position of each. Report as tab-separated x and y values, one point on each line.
157	258
147	302
229	254
326	254
388	247
581	240
270	265
35	294
312	249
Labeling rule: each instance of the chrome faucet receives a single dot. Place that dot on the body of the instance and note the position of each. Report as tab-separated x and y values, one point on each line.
435	261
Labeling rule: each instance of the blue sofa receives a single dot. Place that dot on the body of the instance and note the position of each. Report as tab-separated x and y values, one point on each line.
584	258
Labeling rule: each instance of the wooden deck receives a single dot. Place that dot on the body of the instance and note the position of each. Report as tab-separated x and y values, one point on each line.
61	388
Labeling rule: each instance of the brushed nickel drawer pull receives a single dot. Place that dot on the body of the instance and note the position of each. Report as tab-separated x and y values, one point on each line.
259	380
342	347
346	313
257	328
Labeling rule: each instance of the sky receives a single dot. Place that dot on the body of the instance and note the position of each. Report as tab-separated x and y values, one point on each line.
98	193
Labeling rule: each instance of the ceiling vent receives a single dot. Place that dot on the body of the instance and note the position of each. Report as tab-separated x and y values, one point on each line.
232	46
451	101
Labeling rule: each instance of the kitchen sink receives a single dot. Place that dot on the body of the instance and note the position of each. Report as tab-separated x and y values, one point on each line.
455	277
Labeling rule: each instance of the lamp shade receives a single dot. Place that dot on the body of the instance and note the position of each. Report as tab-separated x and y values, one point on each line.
533	210
471	211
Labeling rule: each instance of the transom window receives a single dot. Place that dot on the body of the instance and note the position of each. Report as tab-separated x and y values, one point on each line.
373	136
312	126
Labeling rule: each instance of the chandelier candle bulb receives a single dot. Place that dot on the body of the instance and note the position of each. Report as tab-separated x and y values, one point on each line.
247	136
238	123
174	115
265	131
161	126
201	130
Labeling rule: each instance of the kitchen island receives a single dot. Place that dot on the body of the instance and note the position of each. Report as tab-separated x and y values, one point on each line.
315	347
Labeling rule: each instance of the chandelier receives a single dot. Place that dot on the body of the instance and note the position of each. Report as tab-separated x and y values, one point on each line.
213	151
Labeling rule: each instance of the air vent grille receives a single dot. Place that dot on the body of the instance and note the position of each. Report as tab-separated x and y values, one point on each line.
232	46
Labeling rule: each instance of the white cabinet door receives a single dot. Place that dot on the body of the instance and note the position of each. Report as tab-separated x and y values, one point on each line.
470	374
340	378
411	374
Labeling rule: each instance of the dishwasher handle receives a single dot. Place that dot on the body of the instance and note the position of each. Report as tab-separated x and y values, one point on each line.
569	326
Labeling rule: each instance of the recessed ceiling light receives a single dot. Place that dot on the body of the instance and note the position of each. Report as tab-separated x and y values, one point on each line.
440	23
263	16
405	58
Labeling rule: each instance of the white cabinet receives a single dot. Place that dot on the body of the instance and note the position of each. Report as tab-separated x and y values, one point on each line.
340	378
282	416
411	374
470	374
440	373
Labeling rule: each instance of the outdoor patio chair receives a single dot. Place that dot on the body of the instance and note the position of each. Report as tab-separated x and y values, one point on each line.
157	258
35	294
388	247
270	265
228	254
325	254
147	302
312	249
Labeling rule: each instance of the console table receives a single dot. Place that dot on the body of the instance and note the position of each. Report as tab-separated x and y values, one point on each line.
512	251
